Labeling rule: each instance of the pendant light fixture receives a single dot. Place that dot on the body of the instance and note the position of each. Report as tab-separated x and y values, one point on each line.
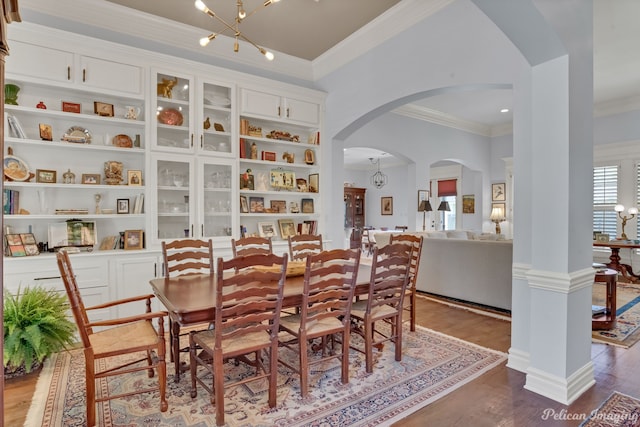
235	27
378	179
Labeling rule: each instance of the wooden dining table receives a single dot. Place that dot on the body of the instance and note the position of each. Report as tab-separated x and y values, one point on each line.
191	300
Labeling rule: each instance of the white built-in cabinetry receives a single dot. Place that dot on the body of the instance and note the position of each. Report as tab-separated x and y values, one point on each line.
189	158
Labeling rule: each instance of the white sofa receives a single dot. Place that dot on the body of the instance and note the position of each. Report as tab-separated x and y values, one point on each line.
465	266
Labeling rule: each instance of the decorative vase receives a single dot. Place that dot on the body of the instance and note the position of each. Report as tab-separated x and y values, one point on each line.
11	94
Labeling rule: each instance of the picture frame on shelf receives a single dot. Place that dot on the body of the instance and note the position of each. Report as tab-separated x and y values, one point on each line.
133	239
278	206
91	178
256	204
267	229
134	177
281	179
386	205
71	107
498	193
422	196
314	183
307	206
46	176
103	109
287	228
269	156
244	205
46	132
122	206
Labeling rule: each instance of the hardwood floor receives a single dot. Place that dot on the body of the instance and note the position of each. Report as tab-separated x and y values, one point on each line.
497	398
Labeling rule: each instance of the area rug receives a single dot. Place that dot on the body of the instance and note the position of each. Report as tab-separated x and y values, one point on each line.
617	411
432	366
627	329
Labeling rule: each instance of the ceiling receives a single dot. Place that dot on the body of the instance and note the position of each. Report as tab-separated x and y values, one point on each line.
308	28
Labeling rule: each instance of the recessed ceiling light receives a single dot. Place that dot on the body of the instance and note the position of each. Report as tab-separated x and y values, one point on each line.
504	110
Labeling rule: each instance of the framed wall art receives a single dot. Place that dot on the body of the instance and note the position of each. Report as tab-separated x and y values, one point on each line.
134	177
244	205
278	206
283	179
46	132
307	205
386	205
134	239
103	109
71	107
287	228
422	196
314	183
91	178
468	204
46	176
256	204
123	206
267	229
498	193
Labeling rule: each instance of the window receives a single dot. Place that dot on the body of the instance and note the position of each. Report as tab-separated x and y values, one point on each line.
447	192
605	197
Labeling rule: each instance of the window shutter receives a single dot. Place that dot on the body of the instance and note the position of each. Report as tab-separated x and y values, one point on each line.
605	197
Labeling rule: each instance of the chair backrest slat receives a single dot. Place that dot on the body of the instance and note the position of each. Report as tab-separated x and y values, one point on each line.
75	299
416	242
251	246
302	245
248	297
389	275
187	256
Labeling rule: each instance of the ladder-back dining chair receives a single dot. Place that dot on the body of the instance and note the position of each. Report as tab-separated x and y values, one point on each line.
367	241
410	303
247	317
251	246
183	257
130	335
383	306
302	245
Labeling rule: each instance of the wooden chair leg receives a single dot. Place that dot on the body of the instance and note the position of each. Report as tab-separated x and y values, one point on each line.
171	339
368	346
193	365
398	337
273	374
412	300
303	367
345	356
91	389
175	344
218	389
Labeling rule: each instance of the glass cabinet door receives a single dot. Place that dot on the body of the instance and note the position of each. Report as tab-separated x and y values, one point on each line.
216	201
173	112
173	198
215	133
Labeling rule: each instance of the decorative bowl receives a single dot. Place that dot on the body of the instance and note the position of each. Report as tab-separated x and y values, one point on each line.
170	117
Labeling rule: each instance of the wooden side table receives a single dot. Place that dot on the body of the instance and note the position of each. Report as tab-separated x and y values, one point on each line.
607	320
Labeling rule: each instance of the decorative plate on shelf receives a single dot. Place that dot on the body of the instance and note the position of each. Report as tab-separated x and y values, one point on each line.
77	134
123	141
171	117
217	100
15	168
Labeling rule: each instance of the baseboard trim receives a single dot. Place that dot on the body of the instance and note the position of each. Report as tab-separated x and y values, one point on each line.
563	390
485	310
518	360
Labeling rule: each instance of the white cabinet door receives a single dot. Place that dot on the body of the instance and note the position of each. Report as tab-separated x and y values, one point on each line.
131	275
301	111
260	103
102	74
26	60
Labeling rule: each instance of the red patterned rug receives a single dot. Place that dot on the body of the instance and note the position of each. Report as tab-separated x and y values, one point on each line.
619	410
432	366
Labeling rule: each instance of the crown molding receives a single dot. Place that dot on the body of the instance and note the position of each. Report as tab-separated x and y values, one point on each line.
395	20
178	39
437	117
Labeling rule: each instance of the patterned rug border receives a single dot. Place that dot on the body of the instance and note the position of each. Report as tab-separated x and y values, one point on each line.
600	418
632	337
404	409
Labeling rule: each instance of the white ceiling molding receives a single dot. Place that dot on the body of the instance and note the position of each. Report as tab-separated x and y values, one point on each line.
444	119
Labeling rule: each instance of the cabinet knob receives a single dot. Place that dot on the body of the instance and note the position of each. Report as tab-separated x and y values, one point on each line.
191	140
68	72
278	111
287	113
84	75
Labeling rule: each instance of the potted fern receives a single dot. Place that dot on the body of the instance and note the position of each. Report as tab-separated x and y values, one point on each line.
35	326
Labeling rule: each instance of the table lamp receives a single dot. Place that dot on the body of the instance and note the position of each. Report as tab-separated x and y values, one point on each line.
632	212
424	207
444	207
497	216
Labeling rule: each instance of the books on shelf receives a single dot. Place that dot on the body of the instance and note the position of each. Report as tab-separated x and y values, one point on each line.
138	204
10	201
308	227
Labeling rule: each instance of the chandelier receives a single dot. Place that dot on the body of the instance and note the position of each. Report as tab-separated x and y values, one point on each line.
378	179
235	27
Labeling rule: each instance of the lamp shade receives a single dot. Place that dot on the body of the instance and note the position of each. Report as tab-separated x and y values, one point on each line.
425	206
444	206
497	213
